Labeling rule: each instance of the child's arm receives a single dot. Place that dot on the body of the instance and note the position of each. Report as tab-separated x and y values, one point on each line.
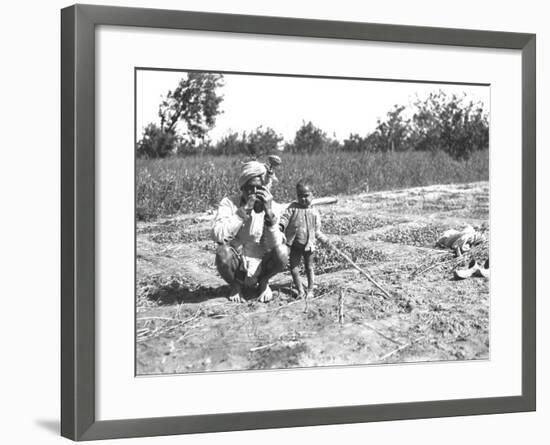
285	218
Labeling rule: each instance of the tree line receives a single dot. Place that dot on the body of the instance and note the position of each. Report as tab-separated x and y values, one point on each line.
449	123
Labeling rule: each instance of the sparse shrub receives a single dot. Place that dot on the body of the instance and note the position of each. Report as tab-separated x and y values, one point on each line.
310	139
450	124
260	141
357	143
156	142
263	141
231	144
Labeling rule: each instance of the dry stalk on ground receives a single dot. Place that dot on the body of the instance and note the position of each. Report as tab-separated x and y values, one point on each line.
453	261
144	334
401	347
341	307
355	266
395	351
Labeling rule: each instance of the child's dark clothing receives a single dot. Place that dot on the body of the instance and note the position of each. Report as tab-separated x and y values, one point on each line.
301	226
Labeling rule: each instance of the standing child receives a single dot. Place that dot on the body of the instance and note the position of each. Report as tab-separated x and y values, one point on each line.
302	226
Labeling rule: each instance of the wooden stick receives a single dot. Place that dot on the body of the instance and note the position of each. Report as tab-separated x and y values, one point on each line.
324	201
259	348
269	345
381	334
395	351
164	329
294	302
400	348
433	266
341	307
355	266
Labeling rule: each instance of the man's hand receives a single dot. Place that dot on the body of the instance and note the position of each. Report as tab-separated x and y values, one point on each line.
265	196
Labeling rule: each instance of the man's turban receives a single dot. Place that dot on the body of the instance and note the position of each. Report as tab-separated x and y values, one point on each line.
250	170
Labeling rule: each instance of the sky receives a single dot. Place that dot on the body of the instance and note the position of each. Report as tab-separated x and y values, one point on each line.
339	107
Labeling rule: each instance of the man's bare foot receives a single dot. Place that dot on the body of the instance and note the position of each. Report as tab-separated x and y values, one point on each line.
266	295
236	298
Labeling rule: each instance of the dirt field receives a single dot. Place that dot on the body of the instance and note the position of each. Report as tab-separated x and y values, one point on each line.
184	322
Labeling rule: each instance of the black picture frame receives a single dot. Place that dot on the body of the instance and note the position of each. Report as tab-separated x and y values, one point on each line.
78	22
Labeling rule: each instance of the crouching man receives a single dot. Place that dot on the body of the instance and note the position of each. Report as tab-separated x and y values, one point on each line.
251	248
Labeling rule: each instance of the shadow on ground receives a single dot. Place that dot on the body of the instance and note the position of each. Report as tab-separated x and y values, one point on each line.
178	293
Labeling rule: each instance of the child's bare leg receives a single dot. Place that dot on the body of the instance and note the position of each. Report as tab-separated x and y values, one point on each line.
294	262
309	263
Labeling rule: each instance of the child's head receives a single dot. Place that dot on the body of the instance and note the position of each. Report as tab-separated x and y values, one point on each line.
304	193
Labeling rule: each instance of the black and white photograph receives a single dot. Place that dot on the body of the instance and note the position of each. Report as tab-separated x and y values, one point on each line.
301	221
275	222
